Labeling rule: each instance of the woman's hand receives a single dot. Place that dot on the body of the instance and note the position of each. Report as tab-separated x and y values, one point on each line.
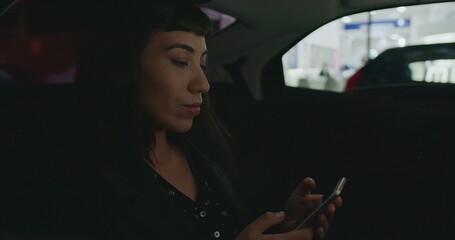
255	230
301	203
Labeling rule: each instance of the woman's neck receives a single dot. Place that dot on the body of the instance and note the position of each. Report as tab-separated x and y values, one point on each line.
163	153
170	162
161	141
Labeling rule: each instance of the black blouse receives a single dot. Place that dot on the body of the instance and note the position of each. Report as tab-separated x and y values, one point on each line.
209	213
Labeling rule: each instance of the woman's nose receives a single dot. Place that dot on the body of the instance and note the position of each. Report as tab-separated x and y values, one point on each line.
200	83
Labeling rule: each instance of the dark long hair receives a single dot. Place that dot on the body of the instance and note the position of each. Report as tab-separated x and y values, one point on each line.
108	74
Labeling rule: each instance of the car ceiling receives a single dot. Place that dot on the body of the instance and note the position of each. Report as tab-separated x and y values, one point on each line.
267	28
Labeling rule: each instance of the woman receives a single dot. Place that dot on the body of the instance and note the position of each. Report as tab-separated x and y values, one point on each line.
155	168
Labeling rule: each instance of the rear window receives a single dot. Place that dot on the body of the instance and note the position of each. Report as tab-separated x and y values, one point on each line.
436	71
330	57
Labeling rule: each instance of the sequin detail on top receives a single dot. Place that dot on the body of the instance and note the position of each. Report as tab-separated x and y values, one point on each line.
209	213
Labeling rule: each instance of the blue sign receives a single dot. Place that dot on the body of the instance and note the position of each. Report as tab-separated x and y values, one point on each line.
395	23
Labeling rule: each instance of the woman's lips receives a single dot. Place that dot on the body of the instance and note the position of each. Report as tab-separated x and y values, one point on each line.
193	109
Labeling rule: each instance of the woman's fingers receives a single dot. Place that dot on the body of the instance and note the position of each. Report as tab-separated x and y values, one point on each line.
323	222
330	212
331	208
324	219
338	202
304	234
319	233
263	223
254	231
305	187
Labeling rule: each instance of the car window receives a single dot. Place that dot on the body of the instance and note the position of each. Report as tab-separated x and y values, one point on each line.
38	49
348	52
219	20
441	70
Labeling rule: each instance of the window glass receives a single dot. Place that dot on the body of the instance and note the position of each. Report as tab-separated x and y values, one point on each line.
436	71
342	53
31	54
38	48
219	20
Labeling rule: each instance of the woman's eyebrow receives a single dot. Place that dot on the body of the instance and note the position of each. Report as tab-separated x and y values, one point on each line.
185	47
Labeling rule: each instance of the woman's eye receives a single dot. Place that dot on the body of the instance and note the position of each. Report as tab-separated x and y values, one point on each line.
180	63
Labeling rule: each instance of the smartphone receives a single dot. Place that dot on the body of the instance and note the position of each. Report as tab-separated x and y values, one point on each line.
335	193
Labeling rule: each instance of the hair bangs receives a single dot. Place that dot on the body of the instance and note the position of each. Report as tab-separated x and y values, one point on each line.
200	25
173	15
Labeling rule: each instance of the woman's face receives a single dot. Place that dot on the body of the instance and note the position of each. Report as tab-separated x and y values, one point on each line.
173	79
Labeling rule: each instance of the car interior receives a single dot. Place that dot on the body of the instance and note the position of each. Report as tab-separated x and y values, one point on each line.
394	144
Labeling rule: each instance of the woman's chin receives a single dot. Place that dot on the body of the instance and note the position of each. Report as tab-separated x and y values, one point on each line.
181	128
